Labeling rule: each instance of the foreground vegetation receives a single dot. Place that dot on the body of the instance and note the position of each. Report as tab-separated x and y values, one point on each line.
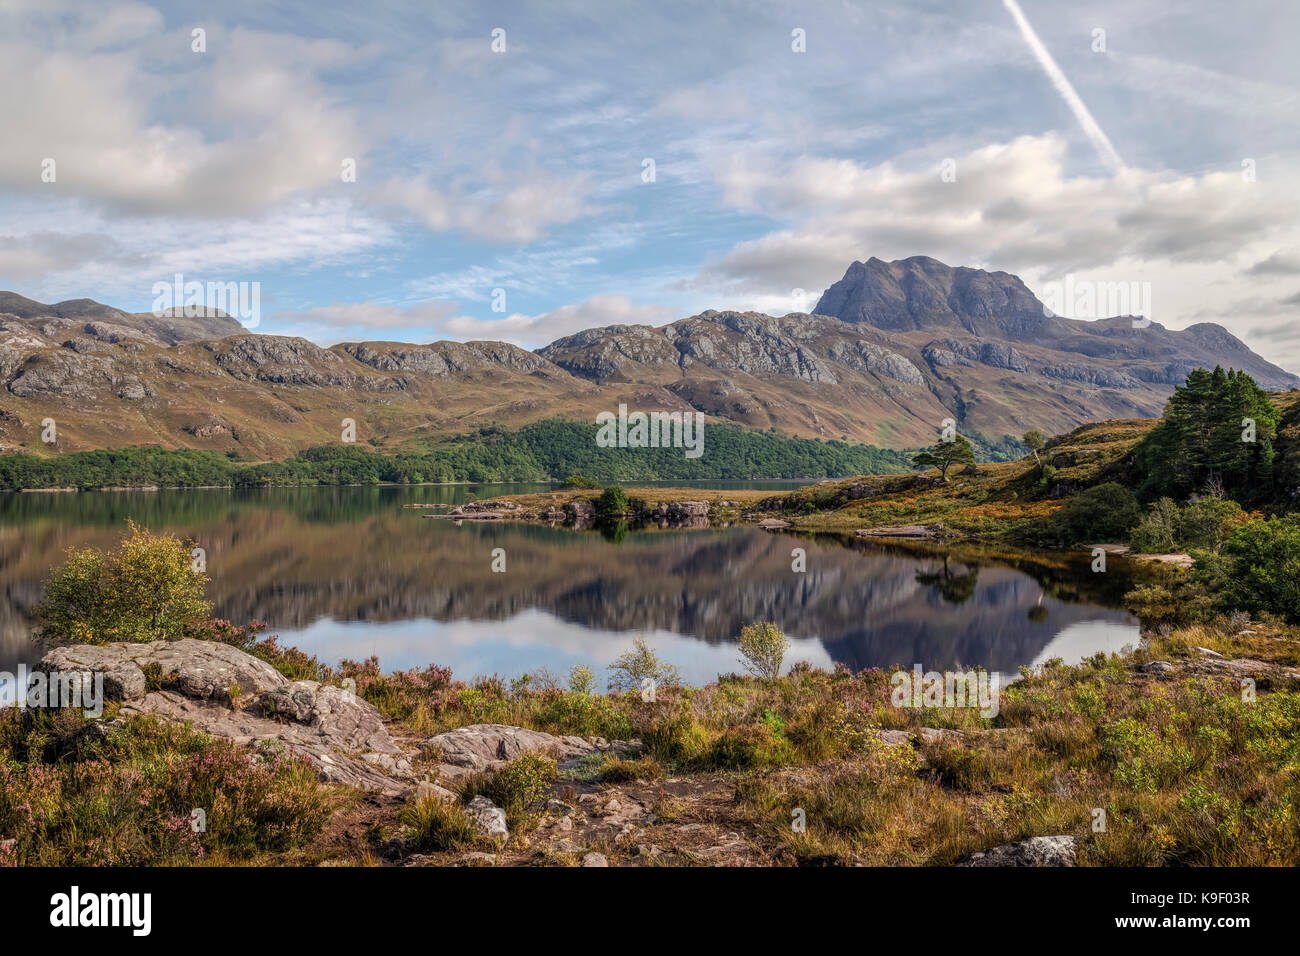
1186	767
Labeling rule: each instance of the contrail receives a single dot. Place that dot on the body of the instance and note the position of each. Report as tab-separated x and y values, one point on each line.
1100	142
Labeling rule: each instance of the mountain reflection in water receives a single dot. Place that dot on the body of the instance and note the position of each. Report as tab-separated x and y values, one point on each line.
347	572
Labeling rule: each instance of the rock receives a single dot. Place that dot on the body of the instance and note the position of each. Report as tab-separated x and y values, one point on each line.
1156	667
339	714
773	524
898	531
424	790
479	859
722	851
488	818
564	823
227	693
1206	652
651	851
124	682
480	748
595	859
858	490
198	669
331	756
580	512
1036	851
894	737
567	846
951	738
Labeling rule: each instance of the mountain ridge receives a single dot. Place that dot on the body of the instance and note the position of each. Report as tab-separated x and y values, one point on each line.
889	351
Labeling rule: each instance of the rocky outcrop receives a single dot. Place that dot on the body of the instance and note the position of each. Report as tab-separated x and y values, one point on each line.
227	693
922	293
442	359
204	670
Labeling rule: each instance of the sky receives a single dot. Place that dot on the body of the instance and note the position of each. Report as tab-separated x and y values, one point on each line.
616	163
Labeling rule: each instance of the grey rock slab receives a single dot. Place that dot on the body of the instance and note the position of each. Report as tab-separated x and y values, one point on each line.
1036	851
479	748
199	669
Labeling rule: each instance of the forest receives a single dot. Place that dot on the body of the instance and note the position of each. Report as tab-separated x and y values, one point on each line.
546	450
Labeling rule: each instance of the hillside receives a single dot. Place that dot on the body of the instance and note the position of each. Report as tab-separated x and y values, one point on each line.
891	351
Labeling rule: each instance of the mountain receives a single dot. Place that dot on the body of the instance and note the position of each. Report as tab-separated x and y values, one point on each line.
890	351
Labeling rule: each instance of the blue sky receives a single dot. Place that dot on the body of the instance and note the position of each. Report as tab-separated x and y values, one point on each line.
523	170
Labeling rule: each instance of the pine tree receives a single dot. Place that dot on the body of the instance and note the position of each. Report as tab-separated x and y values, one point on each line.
944	454
1206	434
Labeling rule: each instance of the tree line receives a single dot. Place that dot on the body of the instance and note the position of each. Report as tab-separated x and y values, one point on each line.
542	451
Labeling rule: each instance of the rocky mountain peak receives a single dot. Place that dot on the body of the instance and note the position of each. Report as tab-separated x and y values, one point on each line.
922	293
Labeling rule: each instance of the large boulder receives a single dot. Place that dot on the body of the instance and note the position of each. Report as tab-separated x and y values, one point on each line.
204	670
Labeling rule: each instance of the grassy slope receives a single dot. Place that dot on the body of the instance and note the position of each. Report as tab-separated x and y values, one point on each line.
999	501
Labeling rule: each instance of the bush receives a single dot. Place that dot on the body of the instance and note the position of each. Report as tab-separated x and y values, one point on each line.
745	748
1105	512
437	825
579	482
582	680
125	796
1158	532
1203	524
762	649
1199	525
630	670
1261	567
146	590
516	786
674	737
611	506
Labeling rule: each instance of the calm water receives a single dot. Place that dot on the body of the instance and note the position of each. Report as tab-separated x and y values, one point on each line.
348	572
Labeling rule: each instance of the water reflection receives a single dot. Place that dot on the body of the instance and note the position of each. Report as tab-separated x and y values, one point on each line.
347	572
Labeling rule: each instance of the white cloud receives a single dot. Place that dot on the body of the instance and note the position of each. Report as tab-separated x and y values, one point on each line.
510	207
532	331
438	319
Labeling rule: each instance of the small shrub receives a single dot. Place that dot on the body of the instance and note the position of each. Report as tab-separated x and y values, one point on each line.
762	649
516	786
581	679
611	506
437	825
630	670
